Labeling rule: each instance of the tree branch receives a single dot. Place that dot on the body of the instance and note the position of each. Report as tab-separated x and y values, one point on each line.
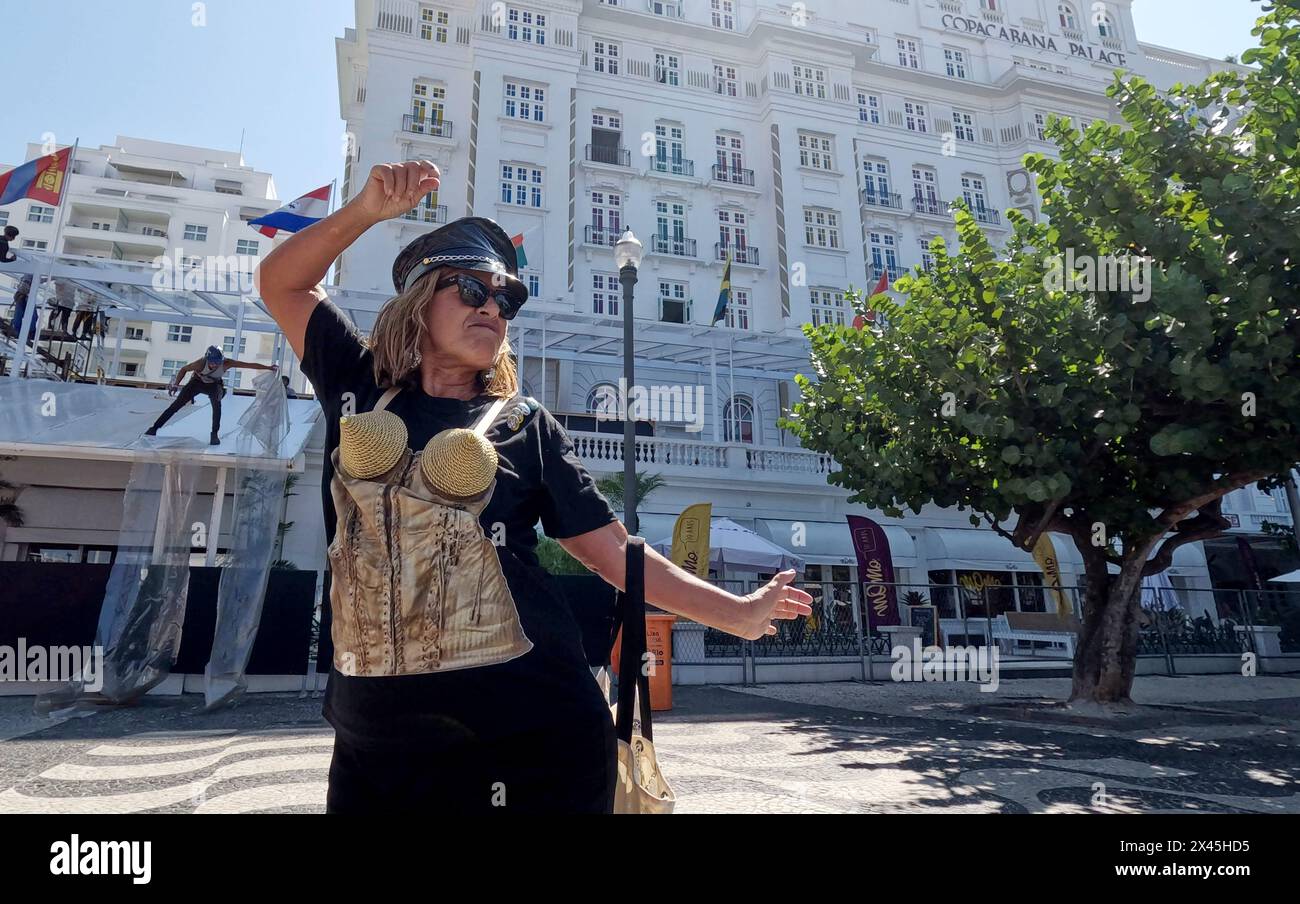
1209	523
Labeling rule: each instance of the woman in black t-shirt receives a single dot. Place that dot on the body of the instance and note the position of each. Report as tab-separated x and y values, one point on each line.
459	680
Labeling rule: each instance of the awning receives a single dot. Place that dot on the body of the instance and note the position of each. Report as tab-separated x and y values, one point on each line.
830	543
981	549
733	547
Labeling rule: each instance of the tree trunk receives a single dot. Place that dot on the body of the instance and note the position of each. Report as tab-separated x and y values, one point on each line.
1106	658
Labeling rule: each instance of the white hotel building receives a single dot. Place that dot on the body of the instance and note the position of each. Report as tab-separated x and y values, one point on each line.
136	201
819	143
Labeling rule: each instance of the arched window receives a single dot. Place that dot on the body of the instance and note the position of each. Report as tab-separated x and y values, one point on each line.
1068	18
738	415
1106	26
602	401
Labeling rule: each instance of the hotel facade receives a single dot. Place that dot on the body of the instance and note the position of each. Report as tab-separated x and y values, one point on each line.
816	145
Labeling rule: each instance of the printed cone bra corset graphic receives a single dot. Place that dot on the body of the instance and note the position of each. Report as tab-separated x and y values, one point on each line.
418	588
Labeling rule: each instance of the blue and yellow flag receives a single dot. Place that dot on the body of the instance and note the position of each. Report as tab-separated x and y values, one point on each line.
724	293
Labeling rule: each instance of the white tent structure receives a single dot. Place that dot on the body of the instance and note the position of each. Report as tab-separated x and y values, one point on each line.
736	548
1291	577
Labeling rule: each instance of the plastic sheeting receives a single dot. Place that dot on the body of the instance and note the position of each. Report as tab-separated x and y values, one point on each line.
255	521
140	623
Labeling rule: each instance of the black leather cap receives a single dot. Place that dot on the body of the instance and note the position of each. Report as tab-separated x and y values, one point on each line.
471	243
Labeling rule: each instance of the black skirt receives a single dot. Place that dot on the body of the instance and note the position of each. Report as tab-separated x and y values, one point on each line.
565	767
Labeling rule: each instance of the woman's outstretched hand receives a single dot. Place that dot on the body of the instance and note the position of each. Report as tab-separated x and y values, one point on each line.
775	600
394	188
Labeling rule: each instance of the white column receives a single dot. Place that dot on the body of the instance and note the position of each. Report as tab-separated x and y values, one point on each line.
214	520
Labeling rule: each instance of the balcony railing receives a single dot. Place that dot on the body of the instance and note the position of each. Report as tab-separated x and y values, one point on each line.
672	166
604	451
665	244
607	238
434	128
987	215
879	270
733	176
887	200
597	153
425	214
929	206
741	255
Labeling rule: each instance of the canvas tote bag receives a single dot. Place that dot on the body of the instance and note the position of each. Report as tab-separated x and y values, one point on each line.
642	787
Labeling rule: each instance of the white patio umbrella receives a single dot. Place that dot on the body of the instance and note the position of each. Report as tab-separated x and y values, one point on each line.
1158	591
737	548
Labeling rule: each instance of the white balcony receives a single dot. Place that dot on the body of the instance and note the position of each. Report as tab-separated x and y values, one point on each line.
695	458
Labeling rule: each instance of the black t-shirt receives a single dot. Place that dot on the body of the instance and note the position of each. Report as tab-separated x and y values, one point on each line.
538	478
5	256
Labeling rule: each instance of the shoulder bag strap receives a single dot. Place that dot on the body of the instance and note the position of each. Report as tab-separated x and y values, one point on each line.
633	684
489	416
386	398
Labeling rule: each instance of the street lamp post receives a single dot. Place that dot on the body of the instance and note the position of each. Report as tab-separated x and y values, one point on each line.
627	255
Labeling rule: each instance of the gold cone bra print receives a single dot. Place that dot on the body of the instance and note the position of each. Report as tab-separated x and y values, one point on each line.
416	586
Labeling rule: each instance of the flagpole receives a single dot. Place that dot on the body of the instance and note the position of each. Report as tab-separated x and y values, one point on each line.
731	343
717	403
34	305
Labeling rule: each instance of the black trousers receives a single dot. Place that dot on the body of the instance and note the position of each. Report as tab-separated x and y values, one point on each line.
214	392
563	768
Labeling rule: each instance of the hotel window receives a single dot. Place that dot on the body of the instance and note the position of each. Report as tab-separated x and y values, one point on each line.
974	192
605	56
1040	125
605	294
954	62
1065	12
433	25
990	5
668	69
606	217
134	332
525	25
925	187
915	116
724	78
671	9
1106	26
526	102
228	345
34	245
521	185
170	367
733	229
670	226
196	233
738	310
821	228
176	333
739	415
927	256
869	36
809	81
884	253
129	369
426	104
669	147
39	213
875	178
603	400
4	218
247	247
963	124
724	14
869	108
730	153
909	53
534	282
827	307
673	305
815	151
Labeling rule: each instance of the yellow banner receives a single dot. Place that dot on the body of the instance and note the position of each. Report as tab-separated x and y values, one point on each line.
1045	556
691	539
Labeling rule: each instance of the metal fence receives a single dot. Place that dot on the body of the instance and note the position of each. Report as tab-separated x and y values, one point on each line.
1266	623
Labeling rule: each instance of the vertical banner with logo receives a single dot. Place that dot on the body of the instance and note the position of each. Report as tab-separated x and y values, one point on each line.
875	571
1045	556
691	539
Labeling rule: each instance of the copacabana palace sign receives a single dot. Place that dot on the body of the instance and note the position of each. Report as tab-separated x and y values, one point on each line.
1013	35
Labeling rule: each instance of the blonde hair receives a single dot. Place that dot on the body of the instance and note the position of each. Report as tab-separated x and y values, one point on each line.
400	330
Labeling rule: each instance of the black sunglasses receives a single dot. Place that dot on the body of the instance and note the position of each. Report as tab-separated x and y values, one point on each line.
475	294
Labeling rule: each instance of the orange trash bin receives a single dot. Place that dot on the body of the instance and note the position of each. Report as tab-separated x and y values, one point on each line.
659	643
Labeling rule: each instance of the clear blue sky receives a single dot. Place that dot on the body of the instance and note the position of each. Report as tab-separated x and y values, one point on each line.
101	68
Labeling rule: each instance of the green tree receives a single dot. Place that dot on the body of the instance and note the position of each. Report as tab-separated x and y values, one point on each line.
1116	417
611	487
